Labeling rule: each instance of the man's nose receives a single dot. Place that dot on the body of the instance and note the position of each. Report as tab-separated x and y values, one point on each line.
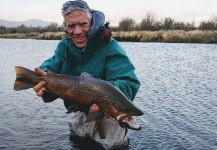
77	30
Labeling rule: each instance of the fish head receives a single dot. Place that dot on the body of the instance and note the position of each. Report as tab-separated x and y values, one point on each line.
135	112
127	121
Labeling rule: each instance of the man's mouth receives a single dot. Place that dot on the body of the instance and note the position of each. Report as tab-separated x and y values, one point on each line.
79	39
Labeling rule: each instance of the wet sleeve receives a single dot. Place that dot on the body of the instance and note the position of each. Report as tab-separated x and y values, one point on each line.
55	62
120	72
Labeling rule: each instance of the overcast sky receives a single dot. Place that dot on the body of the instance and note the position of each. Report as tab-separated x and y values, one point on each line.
50	10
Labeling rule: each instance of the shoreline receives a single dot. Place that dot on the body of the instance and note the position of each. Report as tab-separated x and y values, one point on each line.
172	36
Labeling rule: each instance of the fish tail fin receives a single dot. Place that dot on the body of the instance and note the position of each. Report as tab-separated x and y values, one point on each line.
25	78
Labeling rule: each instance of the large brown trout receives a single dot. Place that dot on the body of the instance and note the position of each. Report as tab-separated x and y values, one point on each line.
84	90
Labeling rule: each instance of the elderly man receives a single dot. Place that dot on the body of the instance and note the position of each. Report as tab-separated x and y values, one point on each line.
88	49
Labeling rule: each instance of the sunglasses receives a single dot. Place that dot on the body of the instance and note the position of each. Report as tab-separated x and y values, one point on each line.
70	5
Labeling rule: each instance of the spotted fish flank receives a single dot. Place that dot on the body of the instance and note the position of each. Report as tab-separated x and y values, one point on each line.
84	90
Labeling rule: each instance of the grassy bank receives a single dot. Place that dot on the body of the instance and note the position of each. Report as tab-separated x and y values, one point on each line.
178	36
34	35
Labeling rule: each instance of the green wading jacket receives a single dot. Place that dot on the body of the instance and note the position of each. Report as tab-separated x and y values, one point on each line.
102	59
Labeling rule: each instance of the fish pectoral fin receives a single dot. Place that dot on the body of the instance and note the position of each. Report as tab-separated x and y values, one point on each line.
93	116
22	85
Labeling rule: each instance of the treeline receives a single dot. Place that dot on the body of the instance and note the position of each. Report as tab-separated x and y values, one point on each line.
148	23
151	23
53	27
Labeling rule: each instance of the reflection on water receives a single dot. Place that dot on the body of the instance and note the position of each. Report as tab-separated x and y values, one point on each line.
178	96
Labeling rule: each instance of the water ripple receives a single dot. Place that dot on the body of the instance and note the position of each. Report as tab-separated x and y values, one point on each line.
178	97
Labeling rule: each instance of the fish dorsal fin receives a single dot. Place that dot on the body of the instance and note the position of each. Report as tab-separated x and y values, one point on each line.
85	75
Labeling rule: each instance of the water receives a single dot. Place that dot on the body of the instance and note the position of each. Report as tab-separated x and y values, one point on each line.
178	96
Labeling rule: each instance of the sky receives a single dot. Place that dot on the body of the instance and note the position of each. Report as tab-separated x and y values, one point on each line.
114	10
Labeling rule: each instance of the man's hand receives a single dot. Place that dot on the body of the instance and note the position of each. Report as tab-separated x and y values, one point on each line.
94	108
39	88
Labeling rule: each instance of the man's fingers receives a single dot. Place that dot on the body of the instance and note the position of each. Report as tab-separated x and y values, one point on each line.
94	108
40	92
39	86
39	71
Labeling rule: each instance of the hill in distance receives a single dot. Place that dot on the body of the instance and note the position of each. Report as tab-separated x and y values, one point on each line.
28	23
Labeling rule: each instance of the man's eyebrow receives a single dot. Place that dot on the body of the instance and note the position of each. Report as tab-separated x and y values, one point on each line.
71	24
79	22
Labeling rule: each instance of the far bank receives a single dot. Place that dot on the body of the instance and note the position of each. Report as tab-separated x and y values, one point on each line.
172	36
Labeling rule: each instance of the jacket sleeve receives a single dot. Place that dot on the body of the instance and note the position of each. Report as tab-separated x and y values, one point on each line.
55	62
120	72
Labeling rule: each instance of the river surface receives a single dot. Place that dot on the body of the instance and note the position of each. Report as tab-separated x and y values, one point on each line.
178	96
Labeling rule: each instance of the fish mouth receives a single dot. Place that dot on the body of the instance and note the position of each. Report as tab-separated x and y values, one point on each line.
128	122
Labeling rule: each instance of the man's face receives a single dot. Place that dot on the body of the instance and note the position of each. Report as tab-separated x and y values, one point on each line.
78	24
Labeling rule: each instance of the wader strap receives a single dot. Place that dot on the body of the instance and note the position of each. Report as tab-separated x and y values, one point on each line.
99	128
126	130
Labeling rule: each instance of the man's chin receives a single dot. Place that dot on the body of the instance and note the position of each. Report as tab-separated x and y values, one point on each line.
80	44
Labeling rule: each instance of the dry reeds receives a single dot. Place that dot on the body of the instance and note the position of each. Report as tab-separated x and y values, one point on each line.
173	36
